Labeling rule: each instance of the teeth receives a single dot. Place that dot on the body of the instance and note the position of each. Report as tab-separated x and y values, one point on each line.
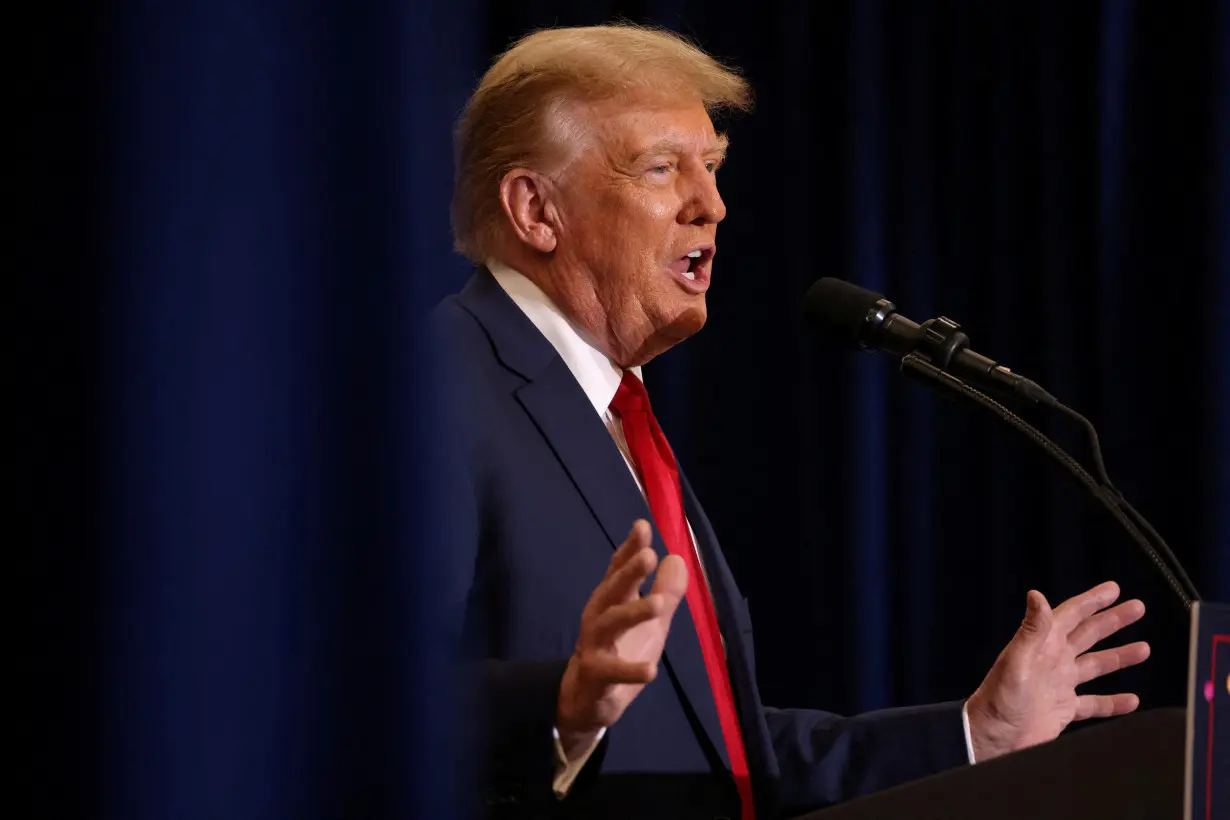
695	254
689	275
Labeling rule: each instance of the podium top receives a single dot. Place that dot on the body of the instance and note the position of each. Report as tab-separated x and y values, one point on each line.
1128	768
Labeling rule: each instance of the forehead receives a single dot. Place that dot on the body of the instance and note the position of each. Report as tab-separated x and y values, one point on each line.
629	127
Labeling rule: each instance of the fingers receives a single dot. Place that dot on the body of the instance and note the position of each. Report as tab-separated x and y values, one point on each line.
638	538
621	582
1097	628
1076	609
661	602
1102	706
607	668
671	582
1097	664
1038	618
618	619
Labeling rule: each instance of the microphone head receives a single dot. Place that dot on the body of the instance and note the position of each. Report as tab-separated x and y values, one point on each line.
839	311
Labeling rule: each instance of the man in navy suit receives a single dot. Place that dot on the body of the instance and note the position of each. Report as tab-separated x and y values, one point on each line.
608	640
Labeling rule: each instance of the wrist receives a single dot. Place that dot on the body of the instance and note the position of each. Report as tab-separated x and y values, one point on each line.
574	744
574	735
989	736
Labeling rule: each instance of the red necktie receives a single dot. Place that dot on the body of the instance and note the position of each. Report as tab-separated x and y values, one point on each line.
656	463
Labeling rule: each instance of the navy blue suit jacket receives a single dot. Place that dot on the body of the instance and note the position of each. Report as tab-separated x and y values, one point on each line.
540	497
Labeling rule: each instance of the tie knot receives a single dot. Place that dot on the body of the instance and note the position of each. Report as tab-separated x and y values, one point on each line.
631	396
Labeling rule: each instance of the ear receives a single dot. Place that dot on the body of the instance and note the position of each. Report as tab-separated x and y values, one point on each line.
526	199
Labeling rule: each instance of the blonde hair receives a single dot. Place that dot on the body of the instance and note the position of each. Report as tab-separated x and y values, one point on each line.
512	116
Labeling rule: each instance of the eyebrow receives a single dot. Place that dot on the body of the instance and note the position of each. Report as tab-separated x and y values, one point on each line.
718	146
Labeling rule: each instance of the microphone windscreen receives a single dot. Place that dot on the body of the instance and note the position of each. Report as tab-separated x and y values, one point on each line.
837	310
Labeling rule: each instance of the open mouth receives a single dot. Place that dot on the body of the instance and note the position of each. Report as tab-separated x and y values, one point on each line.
693	268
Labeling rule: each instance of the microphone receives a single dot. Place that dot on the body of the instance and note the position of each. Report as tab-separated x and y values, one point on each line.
938	353
846	315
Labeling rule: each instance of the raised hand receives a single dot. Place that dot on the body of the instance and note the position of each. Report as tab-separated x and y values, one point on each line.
621	640
1029	696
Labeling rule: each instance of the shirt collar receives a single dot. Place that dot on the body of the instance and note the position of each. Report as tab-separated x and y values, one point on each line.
598	376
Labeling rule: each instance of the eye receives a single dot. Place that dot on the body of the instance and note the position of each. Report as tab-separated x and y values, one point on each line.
663	168
712	165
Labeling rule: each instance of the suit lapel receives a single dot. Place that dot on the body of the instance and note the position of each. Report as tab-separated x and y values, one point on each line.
583	445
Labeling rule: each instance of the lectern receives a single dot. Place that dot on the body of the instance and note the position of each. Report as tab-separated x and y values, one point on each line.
1130	768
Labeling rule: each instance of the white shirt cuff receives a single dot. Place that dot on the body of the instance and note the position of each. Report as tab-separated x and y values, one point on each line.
566	770
969	741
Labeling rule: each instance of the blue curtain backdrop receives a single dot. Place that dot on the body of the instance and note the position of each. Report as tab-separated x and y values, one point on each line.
225	452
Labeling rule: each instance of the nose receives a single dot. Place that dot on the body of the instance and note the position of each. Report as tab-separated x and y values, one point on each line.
703	205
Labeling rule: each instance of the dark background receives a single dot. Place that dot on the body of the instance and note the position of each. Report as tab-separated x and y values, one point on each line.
224	456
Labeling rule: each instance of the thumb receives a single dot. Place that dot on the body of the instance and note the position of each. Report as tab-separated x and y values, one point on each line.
1038	618
671	582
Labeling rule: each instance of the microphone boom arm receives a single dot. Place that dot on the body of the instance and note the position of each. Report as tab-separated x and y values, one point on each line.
923	370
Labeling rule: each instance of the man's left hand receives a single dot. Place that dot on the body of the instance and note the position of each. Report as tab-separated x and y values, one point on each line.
1029	696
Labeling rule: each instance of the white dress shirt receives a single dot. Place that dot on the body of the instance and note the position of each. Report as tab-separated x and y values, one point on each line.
599	378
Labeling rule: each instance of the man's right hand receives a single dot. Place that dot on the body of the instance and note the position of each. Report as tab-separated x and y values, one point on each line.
622	635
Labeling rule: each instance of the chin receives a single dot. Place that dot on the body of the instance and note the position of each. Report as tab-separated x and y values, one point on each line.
687	322
665	324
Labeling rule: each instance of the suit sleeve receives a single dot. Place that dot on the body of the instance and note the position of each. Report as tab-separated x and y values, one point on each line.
507	720
827	758
824	758
505	709
505	746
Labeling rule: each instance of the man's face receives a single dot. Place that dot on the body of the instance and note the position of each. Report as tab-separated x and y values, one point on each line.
639	209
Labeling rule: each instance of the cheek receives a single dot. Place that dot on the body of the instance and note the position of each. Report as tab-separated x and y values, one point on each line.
636	244
662	209
647	216
630	234
626	232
